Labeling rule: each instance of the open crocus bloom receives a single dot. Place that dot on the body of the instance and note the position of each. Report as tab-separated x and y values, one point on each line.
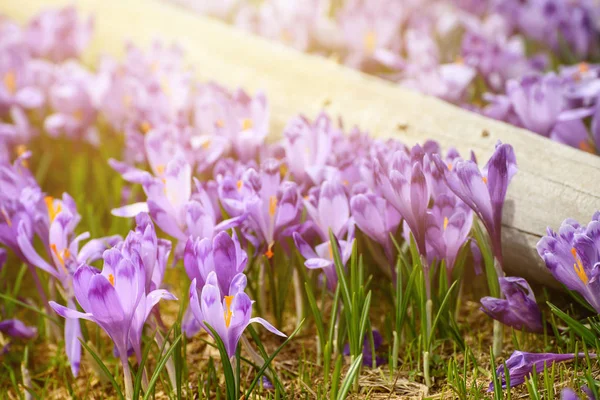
573	256
115	299
227	315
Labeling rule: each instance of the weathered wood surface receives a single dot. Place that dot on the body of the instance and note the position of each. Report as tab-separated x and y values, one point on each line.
554	182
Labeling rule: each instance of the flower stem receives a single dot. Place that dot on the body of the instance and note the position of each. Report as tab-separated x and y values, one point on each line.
498	338
126	375
298	297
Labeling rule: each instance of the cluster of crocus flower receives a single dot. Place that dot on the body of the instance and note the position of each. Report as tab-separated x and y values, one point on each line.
227	197
466	52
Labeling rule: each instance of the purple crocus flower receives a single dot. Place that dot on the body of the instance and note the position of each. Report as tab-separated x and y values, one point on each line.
224	255
272	206
154	252
405	187
228	315
65	256
73	102
521	364
116	300
448	225
573	257
329	209
517	308
376	218
537	100
17	329
171	203
484	190
569	394
321	256
308	147
241	119
59	34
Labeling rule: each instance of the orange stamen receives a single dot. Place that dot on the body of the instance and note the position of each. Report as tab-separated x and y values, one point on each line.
370	41
578	267
445	222
345	182
484	179
228	313
58	255
330	250
10	82
272	205
145	127
160	169
206	145
239	185
52	211
269	253
247	124
283	169
111	279
21	149
450	166
220	123
583	67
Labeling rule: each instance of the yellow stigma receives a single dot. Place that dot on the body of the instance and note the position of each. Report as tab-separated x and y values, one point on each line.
160	169
450	166
445	222
583	67
246	124
145	127
239	185
220	123
127	101
345	182
60	255
206	145
52	211
272	205
330	250
484	179
269	253
6	217
227	313
370	41
10	82
283	169
20	149
111	279
459	60
578	267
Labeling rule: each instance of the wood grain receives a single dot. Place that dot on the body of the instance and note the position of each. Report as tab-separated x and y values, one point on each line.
554	181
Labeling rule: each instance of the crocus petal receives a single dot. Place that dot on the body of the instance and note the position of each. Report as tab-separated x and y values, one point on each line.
267	325
17	329
72	343
70	313
130	210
